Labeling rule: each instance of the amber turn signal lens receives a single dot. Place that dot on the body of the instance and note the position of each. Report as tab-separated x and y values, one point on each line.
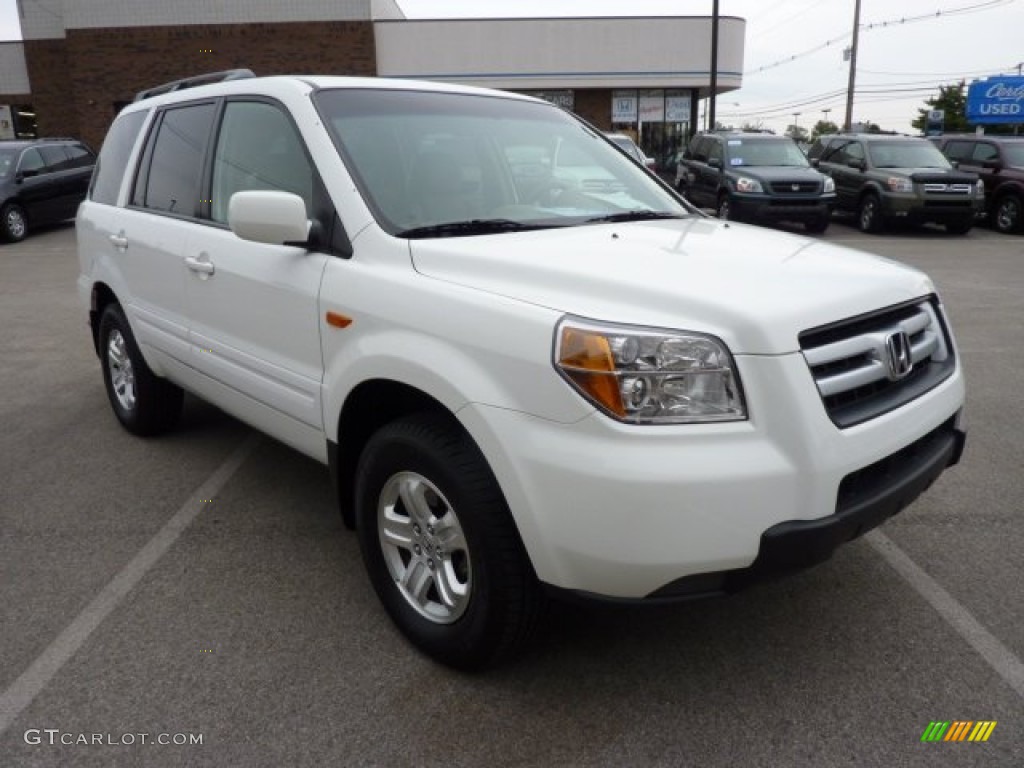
586	358
338	320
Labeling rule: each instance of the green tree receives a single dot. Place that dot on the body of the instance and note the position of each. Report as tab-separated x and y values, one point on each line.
797	133
823	127
952	99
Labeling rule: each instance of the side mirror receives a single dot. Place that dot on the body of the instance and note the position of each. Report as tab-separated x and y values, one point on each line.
993	164
815	162
20	176
860	165
269	216
714	162
954	163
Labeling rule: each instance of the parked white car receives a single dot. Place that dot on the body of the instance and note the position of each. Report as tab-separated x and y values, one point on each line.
521	388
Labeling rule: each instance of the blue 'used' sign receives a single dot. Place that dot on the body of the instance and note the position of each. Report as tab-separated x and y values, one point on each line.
996	100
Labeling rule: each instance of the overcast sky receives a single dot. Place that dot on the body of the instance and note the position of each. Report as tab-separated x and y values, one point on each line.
907	48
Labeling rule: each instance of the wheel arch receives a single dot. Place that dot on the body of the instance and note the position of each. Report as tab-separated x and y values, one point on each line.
101	296
369	406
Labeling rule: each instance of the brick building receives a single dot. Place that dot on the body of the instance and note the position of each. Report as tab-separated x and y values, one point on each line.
81	60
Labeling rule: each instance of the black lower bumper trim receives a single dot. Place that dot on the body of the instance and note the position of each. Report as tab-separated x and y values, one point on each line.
867	498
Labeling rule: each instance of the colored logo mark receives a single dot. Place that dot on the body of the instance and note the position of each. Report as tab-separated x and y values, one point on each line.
959	730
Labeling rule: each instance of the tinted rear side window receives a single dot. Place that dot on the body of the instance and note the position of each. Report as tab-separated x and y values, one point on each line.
113	159
176	165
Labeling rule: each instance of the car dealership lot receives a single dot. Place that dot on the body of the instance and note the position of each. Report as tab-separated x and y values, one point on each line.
202	584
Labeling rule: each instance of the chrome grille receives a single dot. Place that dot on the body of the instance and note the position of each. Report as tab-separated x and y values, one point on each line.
853	367
956	189
794	187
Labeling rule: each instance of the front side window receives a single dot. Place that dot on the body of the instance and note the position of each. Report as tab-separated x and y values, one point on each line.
258	148
959	150
175	167
31	162
853	153
984	152
426	159
55	157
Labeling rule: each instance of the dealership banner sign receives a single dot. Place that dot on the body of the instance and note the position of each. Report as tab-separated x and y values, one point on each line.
996	100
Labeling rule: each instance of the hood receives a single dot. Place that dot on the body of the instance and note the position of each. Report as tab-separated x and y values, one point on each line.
934	175
778	172
754	288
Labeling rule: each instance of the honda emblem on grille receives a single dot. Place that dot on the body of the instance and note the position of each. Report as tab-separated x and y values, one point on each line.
897	348
796	187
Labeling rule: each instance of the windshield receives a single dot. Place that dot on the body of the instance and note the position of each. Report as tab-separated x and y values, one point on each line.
424	159
906	154
8	158
765	152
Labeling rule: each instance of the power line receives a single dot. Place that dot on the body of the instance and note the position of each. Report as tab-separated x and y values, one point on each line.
884	24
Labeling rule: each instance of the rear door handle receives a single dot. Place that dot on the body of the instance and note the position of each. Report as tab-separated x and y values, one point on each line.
119	241
201	265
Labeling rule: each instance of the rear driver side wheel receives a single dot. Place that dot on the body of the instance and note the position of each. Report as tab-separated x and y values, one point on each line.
440	545
144	403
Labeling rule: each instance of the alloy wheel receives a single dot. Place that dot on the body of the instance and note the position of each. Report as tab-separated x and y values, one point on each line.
424	547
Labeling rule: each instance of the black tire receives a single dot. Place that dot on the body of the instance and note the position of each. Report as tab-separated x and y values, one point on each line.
818	225
869	213
724	208
430	456
13	223
959	227
1007	215
144	403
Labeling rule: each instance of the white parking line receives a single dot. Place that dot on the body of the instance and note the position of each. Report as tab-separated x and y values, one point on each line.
24	690
999	657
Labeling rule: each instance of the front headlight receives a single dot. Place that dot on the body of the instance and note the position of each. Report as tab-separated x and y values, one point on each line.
650	376
745	184
979	188
898	184
830	184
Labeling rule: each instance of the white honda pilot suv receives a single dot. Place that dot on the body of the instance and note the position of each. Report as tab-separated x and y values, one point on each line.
523	384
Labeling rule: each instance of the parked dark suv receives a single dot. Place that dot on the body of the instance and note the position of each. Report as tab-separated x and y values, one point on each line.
755	177
41	181
885	178
999	161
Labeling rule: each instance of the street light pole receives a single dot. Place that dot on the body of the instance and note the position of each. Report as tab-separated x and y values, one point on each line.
853	68
796	125
714	65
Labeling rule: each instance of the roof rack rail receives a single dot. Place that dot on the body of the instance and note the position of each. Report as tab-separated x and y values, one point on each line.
192	82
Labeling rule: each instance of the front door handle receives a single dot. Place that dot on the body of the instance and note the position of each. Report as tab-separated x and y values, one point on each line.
119	241
202	265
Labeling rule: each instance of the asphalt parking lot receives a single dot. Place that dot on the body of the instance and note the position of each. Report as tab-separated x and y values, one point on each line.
201	587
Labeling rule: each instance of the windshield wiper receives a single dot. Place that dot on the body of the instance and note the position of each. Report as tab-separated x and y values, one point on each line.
635	216
471	227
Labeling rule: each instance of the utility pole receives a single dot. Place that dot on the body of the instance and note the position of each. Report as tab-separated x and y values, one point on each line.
714	65
853	68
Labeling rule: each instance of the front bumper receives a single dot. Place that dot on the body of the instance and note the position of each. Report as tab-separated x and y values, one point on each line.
629	512
769	208
921	210
867	499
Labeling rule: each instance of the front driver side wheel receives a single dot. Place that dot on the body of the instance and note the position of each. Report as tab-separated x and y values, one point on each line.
440	546
869	215
13	223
